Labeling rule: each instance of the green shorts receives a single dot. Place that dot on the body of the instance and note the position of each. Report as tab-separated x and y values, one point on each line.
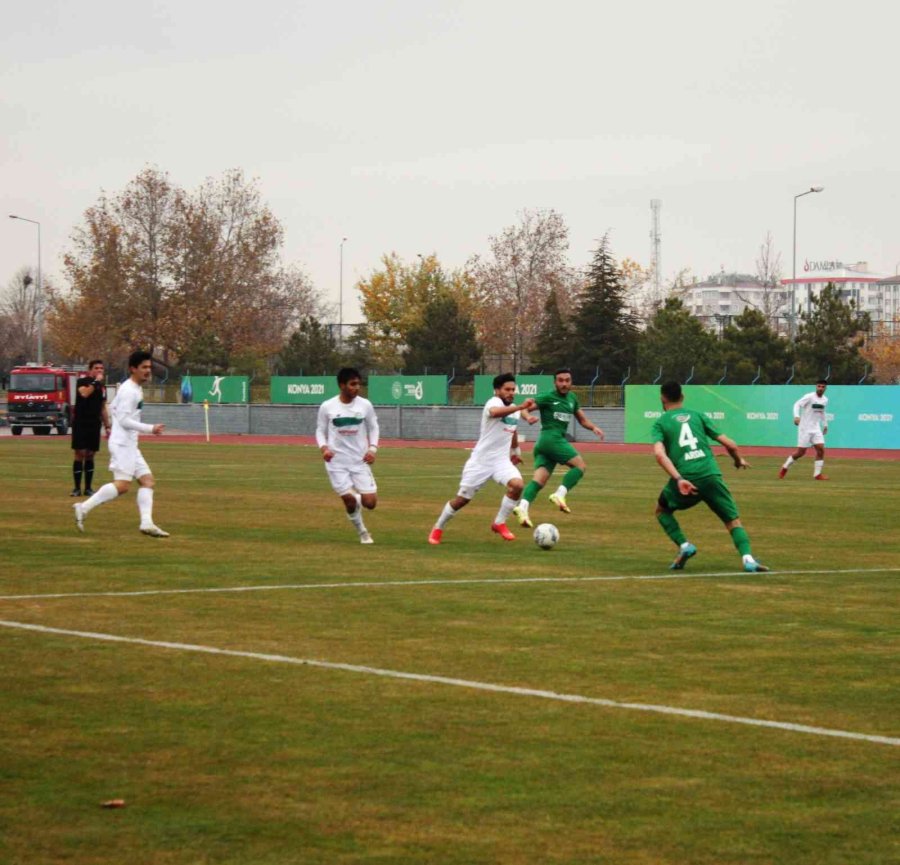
711	489
552	451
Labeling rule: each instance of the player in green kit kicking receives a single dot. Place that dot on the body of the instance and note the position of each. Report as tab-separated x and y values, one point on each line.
681	447
557	408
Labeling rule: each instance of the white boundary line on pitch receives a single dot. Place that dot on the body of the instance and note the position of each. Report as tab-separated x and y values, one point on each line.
494	581
461	683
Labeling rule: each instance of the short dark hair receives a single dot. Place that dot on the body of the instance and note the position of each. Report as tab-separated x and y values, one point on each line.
136	358
822	381
347	373
502	379
94	363
671	390
561	370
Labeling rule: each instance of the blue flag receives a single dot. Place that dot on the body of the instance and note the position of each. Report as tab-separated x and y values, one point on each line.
187	392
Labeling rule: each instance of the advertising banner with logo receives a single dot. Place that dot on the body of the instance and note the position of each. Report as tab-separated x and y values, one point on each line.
859	416
302	389
408	389
217	389
526	385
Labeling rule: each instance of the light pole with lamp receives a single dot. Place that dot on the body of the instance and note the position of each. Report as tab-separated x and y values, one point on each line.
794	266
341	297
39	298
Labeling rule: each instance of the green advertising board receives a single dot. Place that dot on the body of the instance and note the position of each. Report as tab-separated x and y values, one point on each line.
859	416
526	385
217	389
408	389
302	389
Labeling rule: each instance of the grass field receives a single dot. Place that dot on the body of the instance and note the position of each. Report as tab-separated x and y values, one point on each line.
228	749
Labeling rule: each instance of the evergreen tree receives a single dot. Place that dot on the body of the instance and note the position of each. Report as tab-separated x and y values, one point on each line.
310	350
751	347
605	333
553	345
831	334
678	342
444	339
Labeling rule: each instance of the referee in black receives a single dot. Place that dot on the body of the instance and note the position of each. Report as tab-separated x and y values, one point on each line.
90	412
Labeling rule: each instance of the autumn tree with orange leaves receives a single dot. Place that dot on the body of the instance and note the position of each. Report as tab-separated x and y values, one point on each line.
194	277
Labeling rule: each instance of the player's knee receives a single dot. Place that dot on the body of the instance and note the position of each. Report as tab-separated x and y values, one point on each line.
369	501
516	485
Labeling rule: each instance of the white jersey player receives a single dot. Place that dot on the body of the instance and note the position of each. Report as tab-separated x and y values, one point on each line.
494	457
125	459
347	435
812	424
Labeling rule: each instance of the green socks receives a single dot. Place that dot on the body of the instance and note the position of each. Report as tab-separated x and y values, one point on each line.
741	540
531	491
671	528
572	477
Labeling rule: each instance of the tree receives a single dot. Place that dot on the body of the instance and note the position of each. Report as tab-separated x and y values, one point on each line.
19	315
527	262
310	349
394	300
552	345
444	339
768	273
831	335
882	351
193	277
680	345
751	347
605	332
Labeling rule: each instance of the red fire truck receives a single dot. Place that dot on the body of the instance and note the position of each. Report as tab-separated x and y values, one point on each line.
41	397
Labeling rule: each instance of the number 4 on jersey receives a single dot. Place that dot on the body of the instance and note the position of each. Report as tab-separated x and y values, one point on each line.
687	439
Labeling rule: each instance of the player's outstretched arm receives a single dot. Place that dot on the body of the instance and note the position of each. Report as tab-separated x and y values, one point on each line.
582	418
731	447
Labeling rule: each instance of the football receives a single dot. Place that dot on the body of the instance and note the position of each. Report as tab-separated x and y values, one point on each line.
546	535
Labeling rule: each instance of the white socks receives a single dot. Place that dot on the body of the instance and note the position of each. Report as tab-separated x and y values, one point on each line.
788	463
356	518
817	467
446	515
105	494
145	506
561	491
506	506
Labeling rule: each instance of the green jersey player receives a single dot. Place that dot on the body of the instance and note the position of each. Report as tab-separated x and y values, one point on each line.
557	408
681	445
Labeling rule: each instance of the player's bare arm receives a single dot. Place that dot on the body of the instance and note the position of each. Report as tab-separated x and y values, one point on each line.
731	447
685	487
582	418
158	429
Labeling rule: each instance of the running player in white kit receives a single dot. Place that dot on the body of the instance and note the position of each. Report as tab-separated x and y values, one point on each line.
812	424
125	459
494	457
347	435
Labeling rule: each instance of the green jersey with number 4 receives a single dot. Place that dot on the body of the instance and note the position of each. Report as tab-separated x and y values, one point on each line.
686	435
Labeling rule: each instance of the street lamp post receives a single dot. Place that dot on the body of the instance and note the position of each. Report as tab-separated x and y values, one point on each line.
39	298
794	265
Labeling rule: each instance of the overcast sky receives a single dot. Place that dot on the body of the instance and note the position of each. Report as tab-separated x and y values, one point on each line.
421	127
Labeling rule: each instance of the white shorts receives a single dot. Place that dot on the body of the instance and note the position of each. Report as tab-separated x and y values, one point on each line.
476	474
808	438
127	463
345	478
